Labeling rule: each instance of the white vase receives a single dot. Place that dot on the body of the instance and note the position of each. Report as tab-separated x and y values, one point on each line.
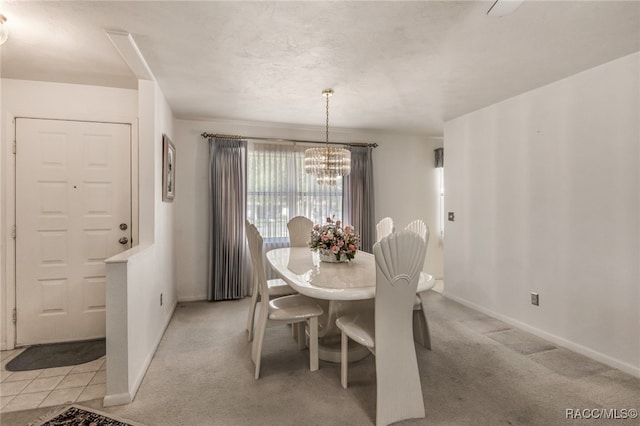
330	257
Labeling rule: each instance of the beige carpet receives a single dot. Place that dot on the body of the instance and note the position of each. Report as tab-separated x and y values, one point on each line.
480	372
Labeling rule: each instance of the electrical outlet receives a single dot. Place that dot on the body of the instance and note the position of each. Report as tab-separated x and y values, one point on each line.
160	299
535	299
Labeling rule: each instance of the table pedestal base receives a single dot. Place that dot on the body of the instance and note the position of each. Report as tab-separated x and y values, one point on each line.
329	347
329	350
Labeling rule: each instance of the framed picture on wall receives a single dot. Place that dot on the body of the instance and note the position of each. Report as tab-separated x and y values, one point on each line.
168	169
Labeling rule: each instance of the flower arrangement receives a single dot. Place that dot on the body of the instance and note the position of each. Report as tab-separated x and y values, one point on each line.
334	240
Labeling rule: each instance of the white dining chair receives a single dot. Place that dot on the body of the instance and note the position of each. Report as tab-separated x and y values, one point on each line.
420	228
299	231
386	331
384	228
276	288
293	309
420	324
299	228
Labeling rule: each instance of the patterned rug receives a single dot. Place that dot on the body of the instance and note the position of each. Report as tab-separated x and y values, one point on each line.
75	415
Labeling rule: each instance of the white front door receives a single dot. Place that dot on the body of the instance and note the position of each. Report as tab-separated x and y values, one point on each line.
73	199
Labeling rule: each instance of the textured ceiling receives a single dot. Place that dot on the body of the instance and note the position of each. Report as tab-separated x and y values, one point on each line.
398	66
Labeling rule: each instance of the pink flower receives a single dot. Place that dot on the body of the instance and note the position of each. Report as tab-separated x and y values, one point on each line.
331	236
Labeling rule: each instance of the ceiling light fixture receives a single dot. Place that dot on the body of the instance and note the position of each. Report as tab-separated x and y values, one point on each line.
4	30
327	163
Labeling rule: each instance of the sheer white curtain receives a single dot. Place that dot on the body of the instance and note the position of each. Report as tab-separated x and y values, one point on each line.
278	189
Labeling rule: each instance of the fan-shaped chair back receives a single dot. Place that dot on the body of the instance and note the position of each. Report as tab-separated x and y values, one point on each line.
419	227
420	324
384	228
399	261
299	231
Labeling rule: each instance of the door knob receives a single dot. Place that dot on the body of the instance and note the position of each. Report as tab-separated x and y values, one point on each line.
123	240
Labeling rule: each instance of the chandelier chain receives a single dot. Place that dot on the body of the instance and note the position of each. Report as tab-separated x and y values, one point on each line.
327	130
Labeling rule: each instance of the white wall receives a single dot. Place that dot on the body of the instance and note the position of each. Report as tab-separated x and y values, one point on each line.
21	98
136	279
406	188
404	178
153	270
545	188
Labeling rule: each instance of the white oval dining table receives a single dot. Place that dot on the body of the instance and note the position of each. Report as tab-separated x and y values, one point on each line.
340	288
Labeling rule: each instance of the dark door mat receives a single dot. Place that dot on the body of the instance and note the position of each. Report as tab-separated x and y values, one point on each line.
57	355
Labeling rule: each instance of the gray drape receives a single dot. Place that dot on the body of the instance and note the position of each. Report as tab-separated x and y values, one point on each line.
227	276
358	199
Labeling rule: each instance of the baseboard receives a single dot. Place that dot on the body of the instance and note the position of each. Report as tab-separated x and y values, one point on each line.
193	299
128	397
133	390
117	399
560	341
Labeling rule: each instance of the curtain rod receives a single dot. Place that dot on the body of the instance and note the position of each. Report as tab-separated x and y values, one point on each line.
217	135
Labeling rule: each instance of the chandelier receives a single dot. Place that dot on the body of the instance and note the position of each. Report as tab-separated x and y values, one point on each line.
327	163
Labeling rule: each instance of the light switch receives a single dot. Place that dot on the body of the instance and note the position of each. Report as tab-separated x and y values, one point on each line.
452	217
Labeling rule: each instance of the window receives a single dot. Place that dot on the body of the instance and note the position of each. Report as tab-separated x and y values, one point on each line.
278	189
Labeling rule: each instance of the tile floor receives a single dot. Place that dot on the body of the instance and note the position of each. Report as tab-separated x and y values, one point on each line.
23	390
